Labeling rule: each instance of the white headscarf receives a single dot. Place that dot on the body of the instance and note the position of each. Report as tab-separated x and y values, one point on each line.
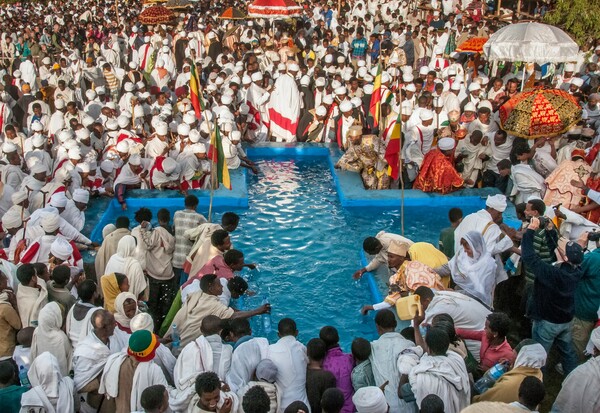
532	355
125	251
124	262
120	316
49	388
475	275
48	336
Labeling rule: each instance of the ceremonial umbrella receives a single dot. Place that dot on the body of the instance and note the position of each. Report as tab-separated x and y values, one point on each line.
531	43
539	113
274	9
232	14
472	45
156	15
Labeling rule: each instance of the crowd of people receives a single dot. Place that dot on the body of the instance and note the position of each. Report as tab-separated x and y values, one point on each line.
93	102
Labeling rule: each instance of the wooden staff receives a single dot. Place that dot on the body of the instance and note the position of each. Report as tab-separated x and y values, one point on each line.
400	171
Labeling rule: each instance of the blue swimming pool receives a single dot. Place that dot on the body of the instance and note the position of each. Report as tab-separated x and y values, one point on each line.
307	245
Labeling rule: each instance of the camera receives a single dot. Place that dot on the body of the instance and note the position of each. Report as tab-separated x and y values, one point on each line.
594	236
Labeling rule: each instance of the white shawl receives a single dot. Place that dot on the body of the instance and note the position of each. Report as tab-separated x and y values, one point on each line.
48	336
244	360
30	301
49	389
445	376
124	262
477	275
90	357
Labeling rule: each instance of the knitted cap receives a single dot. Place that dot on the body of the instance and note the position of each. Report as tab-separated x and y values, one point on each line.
142	345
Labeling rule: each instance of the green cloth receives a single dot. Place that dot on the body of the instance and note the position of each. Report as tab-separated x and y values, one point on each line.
446	243
587	294
362	375
10	398
177	304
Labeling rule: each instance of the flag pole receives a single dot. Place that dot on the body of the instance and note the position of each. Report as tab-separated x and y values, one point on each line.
213	168
400	173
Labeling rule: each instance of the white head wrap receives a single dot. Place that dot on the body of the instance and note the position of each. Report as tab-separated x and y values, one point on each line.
61	249
497	202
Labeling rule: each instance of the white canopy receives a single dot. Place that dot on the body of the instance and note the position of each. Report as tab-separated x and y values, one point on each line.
532	43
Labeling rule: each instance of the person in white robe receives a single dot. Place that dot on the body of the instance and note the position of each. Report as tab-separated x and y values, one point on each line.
206	353
93	351
124	262
48	336
248	352
473	269
289	356
385	352
579	391
472	154
140	353
32	295
466	312
484	222
74	212
50	391
284	106
111	237
527	183
78	322
441	372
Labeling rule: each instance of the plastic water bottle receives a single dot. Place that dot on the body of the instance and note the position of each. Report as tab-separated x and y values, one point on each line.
266	318
490	377
23	377
175	337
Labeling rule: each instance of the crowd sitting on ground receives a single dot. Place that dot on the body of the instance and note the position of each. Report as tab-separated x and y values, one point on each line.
95	103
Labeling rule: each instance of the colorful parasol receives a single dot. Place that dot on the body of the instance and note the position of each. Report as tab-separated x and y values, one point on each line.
232	14
156	15
472	45
539	113
274	9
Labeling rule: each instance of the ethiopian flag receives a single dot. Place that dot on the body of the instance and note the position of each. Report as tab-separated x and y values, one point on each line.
195	94
392	152
375	104
217	158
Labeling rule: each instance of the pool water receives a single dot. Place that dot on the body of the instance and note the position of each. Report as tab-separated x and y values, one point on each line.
307	247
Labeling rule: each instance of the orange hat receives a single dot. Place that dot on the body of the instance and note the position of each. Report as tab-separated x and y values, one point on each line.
56	66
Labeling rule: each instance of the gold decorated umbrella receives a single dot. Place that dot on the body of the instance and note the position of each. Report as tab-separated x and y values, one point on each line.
539	113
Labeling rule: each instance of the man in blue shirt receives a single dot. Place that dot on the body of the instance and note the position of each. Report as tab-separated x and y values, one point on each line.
359	47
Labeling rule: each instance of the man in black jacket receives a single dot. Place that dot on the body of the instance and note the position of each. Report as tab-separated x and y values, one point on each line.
552	305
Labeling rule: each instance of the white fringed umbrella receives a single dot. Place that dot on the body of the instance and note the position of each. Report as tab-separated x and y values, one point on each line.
532	43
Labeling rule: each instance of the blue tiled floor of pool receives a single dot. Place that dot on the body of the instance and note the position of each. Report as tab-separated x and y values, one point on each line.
307	246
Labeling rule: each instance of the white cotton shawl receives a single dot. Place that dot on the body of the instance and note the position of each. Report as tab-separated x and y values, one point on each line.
49	389
124	262
120	316
89	359
476	275
445	376
244	360
533	355
48	336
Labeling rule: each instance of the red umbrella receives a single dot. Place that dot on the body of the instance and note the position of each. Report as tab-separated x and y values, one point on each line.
539	113
274	9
